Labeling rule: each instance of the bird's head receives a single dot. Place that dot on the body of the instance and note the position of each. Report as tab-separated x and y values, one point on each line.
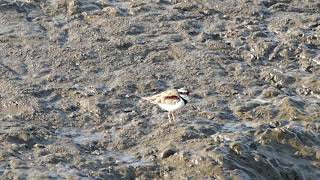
184	93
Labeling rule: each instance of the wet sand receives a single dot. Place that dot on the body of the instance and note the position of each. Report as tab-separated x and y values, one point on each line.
72	71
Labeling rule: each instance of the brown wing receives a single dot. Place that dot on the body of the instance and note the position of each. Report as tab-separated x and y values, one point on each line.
170	99
170	96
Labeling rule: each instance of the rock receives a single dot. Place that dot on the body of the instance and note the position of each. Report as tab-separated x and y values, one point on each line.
292	109
311	84
184	155
317	155
167	153
236	147
179	50
111	11
190	133
73	7
270	92
17	163
278	78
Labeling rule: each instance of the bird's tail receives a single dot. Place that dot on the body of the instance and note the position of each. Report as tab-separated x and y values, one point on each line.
141	98
150	99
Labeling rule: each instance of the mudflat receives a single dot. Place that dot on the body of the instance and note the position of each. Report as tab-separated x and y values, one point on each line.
72	73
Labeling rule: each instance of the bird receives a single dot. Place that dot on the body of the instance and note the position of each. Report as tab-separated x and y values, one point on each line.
170	100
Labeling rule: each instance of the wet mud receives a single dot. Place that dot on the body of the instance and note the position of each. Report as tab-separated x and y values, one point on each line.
72	72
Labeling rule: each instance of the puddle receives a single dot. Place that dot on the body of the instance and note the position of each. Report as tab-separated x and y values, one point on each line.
237	126
2	169
84	137
119	158
229	129
67	170
81	136
260	100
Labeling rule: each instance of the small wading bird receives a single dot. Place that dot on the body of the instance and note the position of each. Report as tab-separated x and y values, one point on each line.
170	100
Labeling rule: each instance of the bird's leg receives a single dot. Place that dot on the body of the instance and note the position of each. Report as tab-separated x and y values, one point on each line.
169	116
173	117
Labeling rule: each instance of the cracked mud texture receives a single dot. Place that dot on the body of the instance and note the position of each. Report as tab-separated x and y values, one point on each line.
72	72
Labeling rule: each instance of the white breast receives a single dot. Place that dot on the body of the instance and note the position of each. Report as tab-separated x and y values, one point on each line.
172	107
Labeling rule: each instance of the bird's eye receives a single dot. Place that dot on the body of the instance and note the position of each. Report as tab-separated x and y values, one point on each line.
185	93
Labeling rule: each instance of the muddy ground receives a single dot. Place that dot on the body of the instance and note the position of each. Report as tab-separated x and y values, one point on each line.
72	71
